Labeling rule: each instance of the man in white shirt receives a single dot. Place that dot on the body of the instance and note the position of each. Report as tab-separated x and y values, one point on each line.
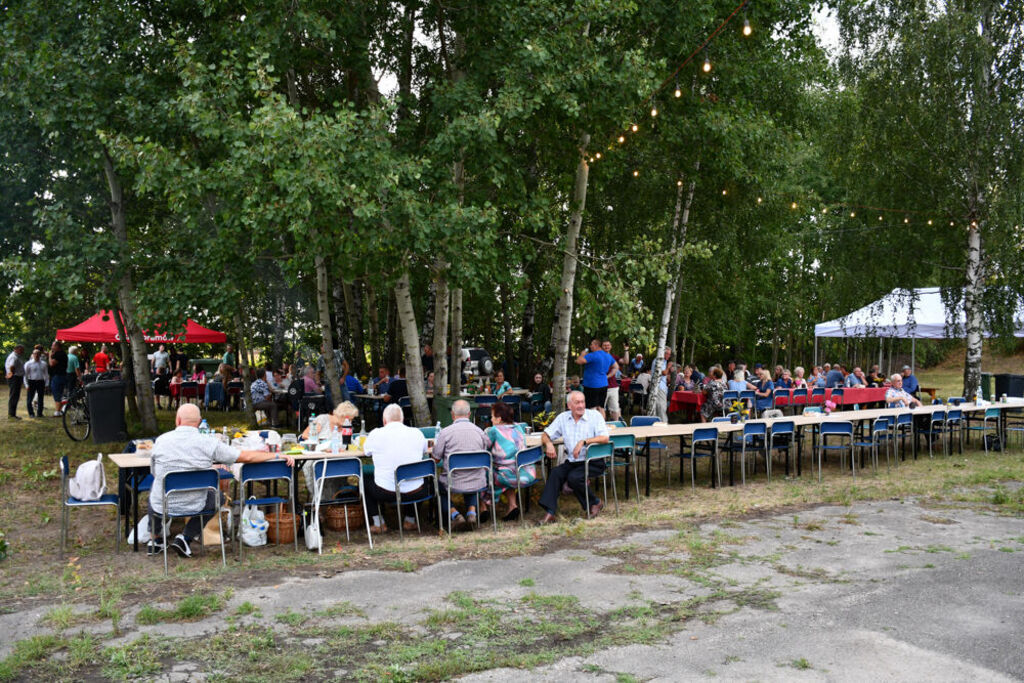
14	371
578	428
392	445
36	378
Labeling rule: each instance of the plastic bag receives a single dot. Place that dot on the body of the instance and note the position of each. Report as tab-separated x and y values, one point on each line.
142	531
254	526
313	538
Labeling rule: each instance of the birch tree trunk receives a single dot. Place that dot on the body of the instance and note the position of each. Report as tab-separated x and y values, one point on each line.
355	326
406	316
341	328
506	331
680	219
376	351
440	345
323	307
456	369
563	312
243	367
427	332
526	342
126	299
280	310
972	310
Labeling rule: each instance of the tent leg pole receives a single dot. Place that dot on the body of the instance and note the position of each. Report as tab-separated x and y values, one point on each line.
913	354
815	351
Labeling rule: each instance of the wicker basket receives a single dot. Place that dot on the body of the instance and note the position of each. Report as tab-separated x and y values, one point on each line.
287	530
334	516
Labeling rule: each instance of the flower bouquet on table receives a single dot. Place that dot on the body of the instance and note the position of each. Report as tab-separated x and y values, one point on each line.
739	410
828	407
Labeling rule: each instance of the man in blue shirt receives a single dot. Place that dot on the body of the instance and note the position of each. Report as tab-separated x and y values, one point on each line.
578	428
598	365
834	377
910	383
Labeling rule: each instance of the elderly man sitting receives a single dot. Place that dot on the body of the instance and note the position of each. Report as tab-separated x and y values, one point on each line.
460	435
186	449
897	397
392	445
578	428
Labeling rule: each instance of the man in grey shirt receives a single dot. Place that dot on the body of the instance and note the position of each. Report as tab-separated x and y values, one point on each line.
186	449
14	370
461	435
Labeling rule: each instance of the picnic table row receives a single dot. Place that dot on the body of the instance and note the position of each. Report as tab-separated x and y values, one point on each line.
793	397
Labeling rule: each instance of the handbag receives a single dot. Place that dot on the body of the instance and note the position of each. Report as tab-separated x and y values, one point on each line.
254	526
90	480
314	540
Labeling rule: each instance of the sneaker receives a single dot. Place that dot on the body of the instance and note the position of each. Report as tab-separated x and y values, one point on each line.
408	526
471	518
155	547
181	546
458	522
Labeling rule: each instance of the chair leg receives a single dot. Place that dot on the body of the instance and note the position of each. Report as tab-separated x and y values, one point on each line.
743	462
163	534
398	511
768	460
615	491
64	527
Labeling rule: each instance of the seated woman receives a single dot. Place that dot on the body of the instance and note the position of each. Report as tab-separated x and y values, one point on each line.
785	380
714	395
764	390
739	382
798	378
506	439
342	419
499	386
541	387
685	381
197	373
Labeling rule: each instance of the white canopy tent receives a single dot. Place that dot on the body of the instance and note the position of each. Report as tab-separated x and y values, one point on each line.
906	314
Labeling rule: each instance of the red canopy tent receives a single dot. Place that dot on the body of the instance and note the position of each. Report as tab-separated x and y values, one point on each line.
103	328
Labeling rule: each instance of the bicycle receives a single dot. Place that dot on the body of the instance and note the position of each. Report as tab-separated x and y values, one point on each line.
75	411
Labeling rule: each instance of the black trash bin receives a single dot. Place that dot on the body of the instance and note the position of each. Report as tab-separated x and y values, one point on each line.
106	411
1011	385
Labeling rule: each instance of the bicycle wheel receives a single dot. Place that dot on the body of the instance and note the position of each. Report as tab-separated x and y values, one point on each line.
76	417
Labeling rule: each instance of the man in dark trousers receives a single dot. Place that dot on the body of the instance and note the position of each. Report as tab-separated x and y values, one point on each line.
14	371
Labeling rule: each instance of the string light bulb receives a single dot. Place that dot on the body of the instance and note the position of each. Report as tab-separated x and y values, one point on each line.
879	218
622	138
746	27
793	205
636	173
679	183
634	128
759	200
597	156
929	221
678	93
906	220
707	64
654	111
853	214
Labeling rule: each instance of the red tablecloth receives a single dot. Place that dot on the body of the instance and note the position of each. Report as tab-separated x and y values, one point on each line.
624	386
849	397
685	399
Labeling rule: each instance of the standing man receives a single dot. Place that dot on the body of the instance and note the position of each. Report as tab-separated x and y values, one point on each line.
611	402
597	365
101	361
229	357
36	378
638	364
74	365
578	428
14	370
58	374
427	359
161	359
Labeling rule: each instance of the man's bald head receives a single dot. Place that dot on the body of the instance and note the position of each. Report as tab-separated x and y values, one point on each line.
460	409
188	415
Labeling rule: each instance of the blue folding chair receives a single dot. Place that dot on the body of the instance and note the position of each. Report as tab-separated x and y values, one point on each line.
647	421
429	432
955	422
875	439
816	399
423	469
339	468
750	397
637	397
989	421
71	502
936	430
903	428
955	400
515	402
533	406
781	428
837	397
483	409
192	481
838	430
606	452
524	458
270	470
468	461
752	432
800	398
781	393
625	456
702	435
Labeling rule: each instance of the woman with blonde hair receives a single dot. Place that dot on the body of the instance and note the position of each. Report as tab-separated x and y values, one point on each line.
341	418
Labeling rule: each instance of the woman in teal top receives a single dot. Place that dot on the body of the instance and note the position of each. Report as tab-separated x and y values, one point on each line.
499	386
507	438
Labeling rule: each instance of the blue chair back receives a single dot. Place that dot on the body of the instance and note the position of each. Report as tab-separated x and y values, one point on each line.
405	402
263	471
730	395
880	425
780	393
722	418
840	428
337	467
415	470
469	460
748	395
904	419
991	413
955	400
938	416
643	420
705	434
800	393
837	395
783	427
754	429
937	402
486	400
429	432
529	456
623	441
188	480
511	399
600	450
954	415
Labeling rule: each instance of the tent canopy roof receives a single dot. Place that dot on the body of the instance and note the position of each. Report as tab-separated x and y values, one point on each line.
907	314
103	328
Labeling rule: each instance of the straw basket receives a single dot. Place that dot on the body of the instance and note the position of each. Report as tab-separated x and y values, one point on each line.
334	516
287	530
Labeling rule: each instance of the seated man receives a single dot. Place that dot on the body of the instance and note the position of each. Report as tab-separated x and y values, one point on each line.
380	384
392	445
897	397
834	378
875	377
910	384
460	435
578	428
856	378
186	449
263	399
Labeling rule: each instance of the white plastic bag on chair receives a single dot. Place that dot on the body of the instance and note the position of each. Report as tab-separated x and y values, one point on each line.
90	480
313	537
254	526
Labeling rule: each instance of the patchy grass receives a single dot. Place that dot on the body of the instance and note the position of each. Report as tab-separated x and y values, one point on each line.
192	608
26	654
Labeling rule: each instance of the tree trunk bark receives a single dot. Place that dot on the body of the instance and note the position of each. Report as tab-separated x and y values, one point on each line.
526	343
972	310
243	367
376	350
280	311
456	369
323	306
680	219
340	318
673	328
506	330
127	368
355	325
125	295
563	312
442	299
428	317
406	315
392	347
